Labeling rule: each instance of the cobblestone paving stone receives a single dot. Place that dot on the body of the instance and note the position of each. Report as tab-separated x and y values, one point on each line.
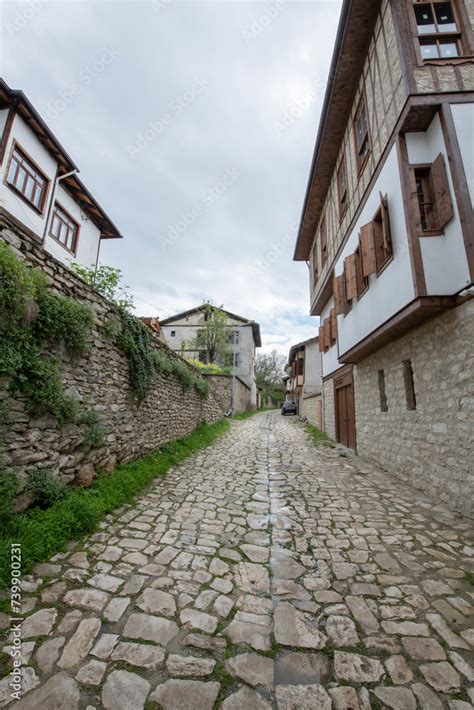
264	572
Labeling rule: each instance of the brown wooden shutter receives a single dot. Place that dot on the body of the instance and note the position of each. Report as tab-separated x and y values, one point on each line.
367	249
333	322
339	294
387	240
321	338
351	277
328	333
441	196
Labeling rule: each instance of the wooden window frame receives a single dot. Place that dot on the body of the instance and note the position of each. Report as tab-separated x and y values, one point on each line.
323	238
462	37
361	161
425	169
383	217
16	147
343	199
57	208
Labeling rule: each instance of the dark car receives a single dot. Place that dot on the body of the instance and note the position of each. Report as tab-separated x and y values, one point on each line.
289	408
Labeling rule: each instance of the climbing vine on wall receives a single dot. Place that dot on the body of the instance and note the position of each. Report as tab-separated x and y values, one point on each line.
135	340
33	319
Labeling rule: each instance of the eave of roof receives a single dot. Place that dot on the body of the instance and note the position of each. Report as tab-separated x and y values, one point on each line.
16	99
352	39
299	346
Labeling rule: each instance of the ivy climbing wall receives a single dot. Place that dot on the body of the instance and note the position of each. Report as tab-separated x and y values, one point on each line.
118	425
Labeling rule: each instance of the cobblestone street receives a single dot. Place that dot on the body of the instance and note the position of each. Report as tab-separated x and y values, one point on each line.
264	572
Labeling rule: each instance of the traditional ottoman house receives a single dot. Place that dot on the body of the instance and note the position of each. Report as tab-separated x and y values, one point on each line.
387	228
244	337
40	191
303	380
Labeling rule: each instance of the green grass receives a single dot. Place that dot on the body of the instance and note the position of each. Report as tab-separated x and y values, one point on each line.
252	412
42	533
319	437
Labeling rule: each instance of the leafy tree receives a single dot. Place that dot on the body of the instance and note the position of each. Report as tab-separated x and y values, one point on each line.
269	370
212	338
108	282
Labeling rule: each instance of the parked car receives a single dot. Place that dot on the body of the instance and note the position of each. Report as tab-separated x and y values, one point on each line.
289	408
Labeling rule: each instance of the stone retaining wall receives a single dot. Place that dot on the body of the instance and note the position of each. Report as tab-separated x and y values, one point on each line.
99	378
431	446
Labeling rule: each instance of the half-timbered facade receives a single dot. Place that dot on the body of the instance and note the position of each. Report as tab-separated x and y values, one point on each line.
387	230
40	191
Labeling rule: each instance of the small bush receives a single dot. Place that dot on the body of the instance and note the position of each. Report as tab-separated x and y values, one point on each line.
112	328
209	369
44	488
95	431
161	361
184	374
63	320
201	387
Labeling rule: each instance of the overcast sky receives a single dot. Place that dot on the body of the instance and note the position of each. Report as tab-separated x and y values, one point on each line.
193	124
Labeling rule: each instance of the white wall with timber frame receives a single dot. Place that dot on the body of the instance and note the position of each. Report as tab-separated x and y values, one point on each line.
444	257
329	359
392	289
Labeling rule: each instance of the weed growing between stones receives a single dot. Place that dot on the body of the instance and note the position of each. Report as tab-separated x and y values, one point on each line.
251	412
319	437
42	533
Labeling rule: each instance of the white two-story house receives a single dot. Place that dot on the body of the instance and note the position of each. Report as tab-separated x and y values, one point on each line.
40	191
244	338
387	228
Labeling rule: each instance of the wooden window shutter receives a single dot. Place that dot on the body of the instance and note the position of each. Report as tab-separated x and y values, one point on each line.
351	276
387	240
339	299
441	196
327	340
321	338
367	249
333	322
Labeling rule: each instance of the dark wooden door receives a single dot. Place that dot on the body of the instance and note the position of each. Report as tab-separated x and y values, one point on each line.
345	410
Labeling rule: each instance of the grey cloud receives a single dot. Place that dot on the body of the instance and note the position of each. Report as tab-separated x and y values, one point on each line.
248	86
